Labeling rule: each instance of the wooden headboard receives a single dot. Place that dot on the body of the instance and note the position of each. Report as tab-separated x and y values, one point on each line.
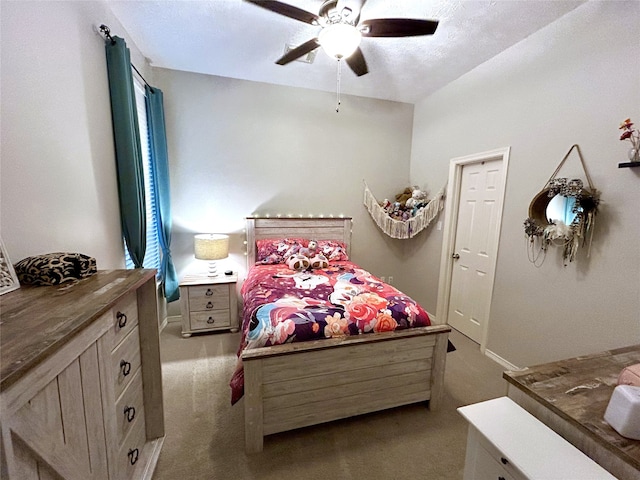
311	228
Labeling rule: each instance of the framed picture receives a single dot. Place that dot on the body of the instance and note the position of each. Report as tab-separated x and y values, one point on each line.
8	278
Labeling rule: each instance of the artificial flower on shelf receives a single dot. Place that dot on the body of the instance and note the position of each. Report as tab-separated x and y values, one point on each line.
631	134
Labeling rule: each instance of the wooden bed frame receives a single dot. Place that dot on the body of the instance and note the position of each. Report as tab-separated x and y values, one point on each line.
300	384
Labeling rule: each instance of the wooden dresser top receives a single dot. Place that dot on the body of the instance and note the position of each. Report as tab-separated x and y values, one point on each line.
35	322
578	390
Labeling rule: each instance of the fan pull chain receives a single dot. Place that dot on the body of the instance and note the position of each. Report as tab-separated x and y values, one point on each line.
338	87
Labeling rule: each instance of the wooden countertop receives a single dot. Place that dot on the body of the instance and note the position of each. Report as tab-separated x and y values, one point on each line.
35	322
578	390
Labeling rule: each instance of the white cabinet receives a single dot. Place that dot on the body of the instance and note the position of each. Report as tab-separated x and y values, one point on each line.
80	380
505	442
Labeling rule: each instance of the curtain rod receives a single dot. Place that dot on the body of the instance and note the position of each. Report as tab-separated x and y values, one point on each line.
106	31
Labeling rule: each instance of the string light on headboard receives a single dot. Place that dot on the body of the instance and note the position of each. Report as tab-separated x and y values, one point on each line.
299	215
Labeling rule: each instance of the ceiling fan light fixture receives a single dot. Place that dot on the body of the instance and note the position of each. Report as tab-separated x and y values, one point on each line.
339	40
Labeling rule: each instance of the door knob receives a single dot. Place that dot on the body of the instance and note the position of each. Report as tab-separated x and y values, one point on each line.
455	256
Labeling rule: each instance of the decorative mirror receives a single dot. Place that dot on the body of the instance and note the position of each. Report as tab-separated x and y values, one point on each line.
562	214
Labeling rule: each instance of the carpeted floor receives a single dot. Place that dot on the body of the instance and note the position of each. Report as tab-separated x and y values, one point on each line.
205	434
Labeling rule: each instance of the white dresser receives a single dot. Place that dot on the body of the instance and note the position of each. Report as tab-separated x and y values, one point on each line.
81	385
505	442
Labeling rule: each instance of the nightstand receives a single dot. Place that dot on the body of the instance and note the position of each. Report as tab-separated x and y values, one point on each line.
208	303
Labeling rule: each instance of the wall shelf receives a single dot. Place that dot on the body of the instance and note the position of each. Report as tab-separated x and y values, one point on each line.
629	164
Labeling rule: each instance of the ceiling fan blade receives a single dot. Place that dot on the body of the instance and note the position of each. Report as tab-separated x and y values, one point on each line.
397	27
287	10
357	63
298	52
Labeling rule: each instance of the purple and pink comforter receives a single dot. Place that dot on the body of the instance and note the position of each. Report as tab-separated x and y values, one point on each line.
281	306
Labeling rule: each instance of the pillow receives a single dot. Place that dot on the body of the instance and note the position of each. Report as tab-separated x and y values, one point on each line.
54	268
333	250
276	250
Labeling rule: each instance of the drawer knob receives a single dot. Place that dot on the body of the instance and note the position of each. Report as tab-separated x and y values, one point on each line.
133	456
209	305
504	460
129	413
501	478
210	320
122	319
209	292
125	367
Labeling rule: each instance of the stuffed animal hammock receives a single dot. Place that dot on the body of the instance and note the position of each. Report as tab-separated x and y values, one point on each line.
403	228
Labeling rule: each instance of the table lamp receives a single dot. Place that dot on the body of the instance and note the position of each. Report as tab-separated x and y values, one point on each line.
211	247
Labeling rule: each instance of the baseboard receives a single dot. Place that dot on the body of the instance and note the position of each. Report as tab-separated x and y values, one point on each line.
506	364
168	320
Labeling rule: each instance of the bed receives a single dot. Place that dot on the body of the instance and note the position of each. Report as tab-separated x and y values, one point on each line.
302	383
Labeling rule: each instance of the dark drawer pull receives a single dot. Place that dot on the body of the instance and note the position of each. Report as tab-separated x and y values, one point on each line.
122	319
501	478
125	367
209	305
504	460
211	320
129	413
133	456
209	292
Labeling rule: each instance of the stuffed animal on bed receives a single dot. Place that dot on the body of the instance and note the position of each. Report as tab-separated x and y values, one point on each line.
310	250
298	262
318	261
307	258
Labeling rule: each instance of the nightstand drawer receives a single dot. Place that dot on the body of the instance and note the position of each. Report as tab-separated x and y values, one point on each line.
208	297
125	317
130	407
125	361
208	291
208	320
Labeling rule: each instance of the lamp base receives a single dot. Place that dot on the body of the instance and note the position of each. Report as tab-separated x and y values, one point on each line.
213	270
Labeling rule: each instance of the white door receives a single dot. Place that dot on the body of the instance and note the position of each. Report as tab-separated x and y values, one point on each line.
471	245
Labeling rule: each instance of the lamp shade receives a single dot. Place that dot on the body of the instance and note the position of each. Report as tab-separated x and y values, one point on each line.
339	40
211	246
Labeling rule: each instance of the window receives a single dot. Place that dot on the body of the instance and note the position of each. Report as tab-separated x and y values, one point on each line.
152	253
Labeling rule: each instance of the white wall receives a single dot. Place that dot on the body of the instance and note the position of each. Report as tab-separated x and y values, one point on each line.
572	82
237	148
58	182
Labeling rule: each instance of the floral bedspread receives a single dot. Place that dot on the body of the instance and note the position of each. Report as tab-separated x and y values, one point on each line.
281	306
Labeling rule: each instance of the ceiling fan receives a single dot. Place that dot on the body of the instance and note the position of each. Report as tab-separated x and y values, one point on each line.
342	30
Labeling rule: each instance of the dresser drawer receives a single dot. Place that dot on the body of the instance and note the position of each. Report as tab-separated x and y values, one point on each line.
125	317
208	297
489	454
486	468
125	361
208	320
130	407
132	452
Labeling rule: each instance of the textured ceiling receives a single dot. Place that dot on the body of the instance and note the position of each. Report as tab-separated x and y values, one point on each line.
232	38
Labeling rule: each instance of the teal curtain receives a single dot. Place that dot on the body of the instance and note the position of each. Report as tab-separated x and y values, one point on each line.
128	152
160	172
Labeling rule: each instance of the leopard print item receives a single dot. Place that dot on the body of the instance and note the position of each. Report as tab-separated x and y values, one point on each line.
54	268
